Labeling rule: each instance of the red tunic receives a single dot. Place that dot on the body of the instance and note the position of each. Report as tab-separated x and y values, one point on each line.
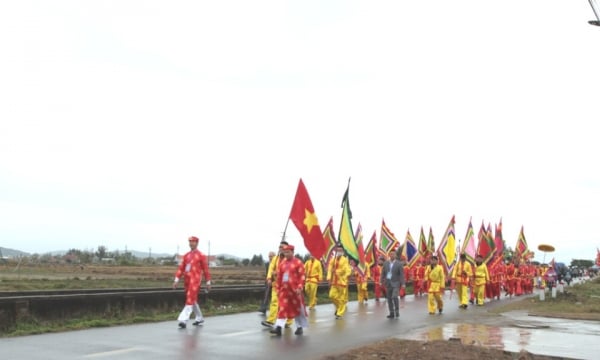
192	266
290	283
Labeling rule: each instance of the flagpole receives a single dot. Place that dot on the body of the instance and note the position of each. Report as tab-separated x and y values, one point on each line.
285	229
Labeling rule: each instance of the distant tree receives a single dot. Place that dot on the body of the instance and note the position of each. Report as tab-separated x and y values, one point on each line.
86	257
582	263
228	261
246	262
101	252
257	260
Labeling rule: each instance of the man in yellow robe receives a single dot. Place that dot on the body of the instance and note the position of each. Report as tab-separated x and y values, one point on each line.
338	273
437	283
461	276
482	277
362	289
314	274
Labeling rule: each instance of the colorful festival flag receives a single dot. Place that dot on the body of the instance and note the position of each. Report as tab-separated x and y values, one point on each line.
447	249
423	249
329	238
409	250
346	233
371	250
387	240
498	240
360	265
485	247
521	249
469	246
431	243
304	217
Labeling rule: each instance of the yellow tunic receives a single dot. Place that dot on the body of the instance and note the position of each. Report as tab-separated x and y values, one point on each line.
314	274
338	272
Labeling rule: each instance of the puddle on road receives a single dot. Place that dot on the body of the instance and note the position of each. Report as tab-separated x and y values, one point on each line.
544	336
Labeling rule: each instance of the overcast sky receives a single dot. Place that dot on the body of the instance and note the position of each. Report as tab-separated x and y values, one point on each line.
135	124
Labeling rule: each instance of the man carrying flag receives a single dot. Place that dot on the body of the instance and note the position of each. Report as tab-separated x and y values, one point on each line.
337	275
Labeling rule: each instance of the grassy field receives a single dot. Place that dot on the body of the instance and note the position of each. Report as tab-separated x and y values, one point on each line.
59	277
579	301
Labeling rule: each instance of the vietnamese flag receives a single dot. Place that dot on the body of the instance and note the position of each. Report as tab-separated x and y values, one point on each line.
303	216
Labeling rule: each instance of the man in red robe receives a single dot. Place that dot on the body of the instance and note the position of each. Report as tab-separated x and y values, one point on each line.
376	276
290	286
192	266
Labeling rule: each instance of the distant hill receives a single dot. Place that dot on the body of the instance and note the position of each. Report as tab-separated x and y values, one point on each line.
227	256
11	253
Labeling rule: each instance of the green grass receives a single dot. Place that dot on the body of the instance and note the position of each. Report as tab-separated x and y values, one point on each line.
580	301
77	283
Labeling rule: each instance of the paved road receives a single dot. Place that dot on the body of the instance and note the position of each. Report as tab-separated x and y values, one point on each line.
239	336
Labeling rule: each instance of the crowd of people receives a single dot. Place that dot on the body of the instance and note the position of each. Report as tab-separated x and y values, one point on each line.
294	288
291	284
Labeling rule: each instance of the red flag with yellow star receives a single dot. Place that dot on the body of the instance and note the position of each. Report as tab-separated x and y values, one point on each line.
304	217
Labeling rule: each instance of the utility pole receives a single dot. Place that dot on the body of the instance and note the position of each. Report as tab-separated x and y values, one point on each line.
596	13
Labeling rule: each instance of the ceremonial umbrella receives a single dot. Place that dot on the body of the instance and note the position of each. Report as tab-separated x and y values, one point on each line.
545	248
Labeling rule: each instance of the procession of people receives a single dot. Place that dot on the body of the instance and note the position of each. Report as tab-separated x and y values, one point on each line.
291	284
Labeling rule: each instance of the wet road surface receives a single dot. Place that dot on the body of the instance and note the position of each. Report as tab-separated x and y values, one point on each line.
241	336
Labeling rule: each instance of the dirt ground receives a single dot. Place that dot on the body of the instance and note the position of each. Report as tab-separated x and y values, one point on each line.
431	350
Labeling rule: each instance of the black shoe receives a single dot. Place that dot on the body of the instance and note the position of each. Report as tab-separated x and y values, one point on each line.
299	331
287	326
198	322
276	331
182	325
397	314
337	317
266	323
440	311
390	316
471	301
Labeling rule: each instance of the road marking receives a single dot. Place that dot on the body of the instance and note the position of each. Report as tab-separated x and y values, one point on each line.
111	353
239	333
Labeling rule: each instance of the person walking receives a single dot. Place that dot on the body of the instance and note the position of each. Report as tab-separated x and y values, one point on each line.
338	273
482	277
462	275
290	285
193	265
314	274
376	276
361	278
418	278
392	277
267	298
437	282
272	282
